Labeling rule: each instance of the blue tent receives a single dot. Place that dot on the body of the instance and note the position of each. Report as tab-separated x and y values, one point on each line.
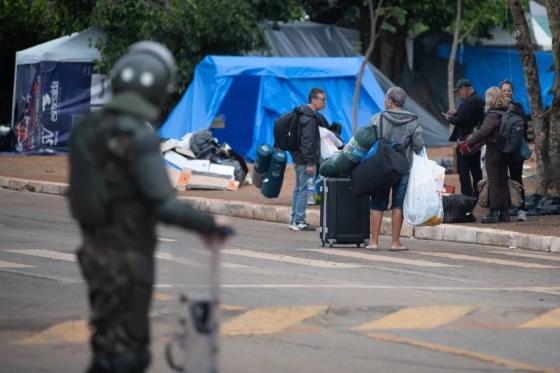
249	93
487	67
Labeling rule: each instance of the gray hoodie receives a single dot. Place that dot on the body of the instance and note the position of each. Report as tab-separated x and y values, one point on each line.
401	127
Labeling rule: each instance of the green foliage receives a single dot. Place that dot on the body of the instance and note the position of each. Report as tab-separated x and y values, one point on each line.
24	23
278	10
191	29
479	16
392	16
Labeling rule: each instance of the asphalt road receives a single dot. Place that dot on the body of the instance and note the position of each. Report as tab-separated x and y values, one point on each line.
290	305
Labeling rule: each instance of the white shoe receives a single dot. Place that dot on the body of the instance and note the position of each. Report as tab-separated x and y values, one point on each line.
302	227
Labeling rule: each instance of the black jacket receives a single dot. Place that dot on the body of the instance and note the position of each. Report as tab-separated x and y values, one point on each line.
309	149
469	115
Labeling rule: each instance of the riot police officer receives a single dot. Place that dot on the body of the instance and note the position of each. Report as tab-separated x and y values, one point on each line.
119	190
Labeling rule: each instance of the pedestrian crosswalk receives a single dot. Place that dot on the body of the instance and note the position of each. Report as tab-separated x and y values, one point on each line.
238	321
244	259
424	317
381	258
6	265
488	260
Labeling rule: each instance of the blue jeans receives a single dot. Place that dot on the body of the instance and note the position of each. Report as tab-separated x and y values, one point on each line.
299	198
380	200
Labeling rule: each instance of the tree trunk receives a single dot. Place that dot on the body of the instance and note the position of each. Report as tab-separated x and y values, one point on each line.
365	29
553	9
452	57
526	50
393	53
372	37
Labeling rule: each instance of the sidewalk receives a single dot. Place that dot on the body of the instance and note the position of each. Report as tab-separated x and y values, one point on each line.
49	174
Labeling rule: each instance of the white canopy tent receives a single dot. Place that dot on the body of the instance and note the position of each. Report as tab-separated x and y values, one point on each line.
48	77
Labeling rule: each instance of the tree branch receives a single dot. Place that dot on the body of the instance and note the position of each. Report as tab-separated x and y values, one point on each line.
372	38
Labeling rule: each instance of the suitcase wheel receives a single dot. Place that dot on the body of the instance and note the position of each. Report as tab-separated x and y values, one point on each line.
358	245
331	245
322	244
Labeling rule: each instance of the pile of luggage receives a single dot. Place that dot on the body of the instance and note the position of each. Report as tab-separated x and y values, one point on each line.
198	161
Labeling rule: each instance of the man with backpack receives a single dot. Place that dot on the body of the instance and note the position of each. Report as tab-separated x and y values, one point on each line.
465	119
306	156
119	190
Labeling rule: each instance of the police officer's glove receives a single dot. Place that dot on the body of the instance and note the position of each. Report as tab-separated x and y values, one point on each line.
223	232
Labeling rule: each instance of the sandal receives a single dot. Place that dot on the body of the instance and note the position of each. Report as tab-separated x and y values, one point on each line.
372	246
398	248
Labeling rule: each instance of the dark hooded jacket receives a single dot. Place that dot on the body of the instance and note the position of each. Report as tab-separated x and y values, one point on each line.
401	127
309	149
469	115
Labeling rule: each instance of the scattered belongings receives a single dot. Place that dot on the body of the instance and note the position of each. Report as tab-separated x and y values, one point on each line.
458	208
447	164
197	161
536	204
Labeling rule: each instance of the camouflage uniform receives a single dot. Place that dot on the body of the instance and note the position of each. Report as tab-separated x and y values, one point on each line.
116	255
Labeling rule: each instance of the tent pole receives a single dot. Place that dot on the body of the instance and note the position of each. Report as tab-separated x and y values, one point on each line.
14	94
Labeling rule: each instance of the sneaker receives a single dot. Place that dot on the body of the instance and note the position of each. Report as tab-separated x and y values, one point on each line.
521	215
302	227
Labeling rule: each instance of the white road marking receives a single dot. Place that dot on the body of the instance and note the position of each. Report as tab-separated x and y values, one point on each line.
551	257
536	289
381	258
289	259
163	239
487	260
193	263
4	264
55	255
49	254
173	258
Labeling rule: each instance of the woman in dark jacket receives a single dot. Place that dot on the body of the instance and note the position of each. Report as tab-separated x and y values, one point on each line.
496	161
515	166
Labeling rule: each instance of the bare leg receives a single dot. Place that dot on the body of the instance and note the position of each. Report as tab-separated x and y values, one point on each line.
376	219
396	222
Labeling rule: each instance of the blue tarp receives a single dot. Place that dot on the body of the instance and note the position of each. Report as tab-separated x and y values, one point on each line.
249	93
487	67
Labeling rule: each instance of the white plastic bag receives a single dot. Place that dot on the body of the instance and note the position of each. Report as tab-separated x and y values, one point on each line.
422	202
329	143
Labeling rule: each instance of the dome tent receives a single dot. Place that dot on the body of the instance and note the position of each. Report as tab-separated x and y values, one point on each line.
249	93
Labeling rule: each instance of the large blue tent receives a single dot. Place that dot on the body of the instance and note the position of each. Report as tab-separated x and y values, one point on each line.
486	67
249	93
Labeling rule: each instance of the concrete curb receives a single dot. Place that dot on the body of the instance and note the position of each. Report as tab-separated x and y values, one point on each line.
281	214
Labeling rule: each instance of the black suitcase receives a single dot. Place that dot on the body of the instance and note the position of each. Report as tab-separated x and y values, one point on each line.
344	217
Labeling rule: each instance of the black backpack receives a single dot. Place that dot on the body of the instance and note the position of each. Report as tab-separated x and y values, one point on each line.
88	193
511	132
286	130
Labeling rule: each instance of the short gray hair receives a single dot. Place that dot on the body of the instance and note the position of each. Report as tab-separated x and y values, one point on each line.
397	95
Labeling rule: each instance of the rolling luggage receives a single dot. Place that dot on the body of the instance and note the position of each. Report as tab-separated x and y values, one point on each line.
344	217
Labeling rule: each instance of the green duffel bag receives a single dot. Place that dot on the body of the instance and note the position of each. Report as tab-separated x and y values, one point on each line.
360	143
336	166
274	177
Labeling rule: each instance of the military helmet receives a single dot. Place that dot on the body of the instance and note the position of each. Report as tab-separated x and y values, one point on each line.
149	69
